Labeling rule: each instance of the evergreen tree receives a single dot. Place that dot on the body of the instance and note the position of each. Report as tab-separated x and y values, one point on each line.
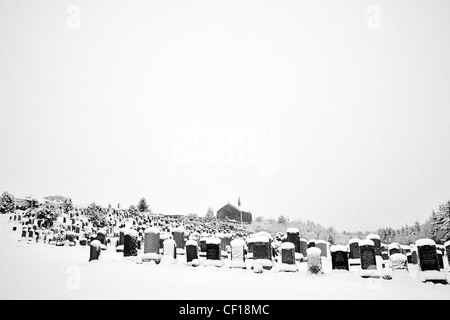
210	214
143	206
7	203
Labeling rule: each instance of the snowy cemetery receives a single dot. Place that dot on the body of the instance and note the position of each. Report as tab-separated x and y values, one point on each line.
154	257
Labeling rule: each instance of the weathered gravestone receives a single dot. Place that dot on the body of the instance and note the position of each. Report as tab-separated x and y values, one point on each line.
151	245
178	236
303	248
368	259
339	257
237	254
192	253
323	246
225	241
314	260
354	254
213	252
398	262
262	252
94	253
293	236
429	269
130	243
377	246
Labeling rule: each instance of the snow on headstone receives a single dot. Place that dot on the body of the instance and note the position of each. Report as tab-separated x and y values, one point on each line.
314	260
178	237
398	262
237	254
169	251
288	257
94	253
213	252
339	257
393	248
192	253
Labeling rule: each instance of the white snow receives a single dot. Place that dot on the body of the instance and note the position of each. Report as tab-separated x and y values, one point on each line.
264	234
447	243
191	243
178	229
393	246
425	242
373	236
96	244
303	240
287	245
237	243
314	251
131	232
42	271
152	230
260	239
354	240
366	242
213	240
321	241
338	248
293	230
396	257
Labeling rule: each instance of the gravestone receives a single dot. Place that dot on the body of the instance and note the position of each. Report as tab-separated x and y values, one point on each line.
151	245
440	259
250	242
213	252
225	240
414	259
314	260
323	246
237	254
24	233
169	251
377	246
311	243
429	268
394	248
398	261
293	236
94	253
192	253
178	237
339	257
368	259
288	257
130	243
203	247
447	250
354	254
303	248
262	252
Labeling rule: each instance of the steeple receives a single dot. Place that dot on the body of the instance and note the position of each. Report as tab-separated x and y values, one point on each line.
239	201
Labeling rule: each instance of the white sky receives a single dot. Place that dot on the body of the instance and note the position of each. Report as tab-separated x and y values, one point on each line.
300	107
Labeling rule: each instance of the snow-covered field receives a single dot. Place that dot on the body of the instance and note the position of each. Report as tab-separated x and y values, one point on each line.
40	271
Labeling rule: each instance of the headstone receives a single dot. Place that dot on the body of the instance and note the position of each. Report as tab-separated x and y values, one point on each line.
24	233
293	236
192	253
414	258
323	246
440	259
314	260
447	250
151	245
311	243
250	242
130	243
398	261
339	257
101	236
169	251
262	252
429	269
393	248
178	237
288	257
368	260
303	248
95	250
377	246
203	247
213	252
237	254
354	253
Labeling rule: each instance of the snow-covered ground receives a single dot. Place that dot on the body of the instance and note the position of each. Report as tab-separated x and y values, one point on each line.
40	271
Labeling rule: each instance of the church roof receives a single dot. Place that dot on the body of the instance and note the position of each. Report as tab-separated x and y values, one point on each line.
236	207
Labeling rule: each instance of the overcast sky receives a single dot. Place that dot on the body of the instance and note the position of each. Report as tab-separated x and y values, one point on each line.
337	112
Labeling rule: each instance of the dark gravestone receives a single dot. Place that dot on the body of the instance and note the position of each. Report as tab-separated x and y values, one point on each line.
151	241
261	250
250	244
293	236
94	253
191	251
130	244
440	259
414	257
101	236
367	253
377	243
203	246
447	249
178	236
121	238
384	255
311	243
339	258
323	246
288	255
428	258
354	249
213	251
